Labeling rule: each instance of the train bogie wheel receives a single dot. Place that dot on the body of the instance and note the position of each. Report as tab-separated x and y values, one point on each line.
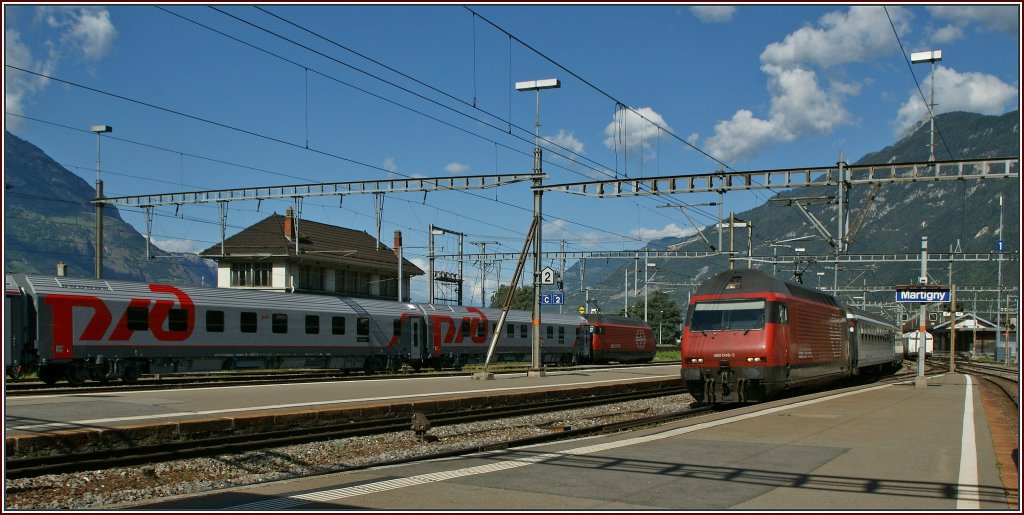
369	367
131	374
48	375
76	374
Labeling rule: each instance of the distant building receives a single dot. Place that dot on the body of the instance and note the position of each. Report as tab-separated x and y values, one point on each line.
324	259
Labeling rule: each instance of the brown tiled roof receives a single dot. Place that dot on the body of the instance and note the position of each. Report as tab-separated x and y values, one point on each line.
328	244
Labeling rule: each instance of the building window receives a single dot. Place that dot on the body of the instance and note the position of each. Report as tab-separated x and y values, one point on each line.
311	277
250	274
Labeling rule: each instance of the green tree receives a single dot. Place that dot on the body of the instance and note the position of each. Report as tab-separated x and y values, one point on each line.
663	314
523	298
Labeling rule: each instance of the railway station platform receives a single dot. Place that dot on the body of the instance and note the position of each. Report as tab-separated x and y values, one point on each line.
887	447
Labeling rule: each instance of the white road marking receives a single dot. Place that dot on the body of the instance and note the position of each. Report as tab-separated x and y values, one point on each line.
968	495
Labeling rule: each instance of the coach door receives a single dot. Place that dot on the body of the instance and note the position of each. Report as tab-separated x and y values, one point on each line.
417	331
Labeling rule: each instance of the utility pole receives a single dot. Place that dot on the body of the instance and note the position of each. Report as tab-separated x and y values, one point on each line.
922	343
483	274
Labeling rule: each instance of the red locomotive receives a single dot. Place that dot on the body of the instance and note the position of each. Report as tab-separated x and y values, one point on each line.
750	337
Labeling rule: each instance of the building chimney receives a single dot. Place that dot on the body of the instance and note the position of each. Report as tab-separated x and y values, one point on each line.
289	224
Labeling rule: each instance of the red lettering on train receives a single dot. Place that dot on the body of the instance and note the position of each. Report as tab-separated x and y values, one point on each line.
62	309
476	328
162	310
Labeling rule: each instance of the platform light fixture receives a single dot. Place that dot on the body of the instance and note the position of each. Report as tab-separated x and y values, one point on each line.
99	129
537	85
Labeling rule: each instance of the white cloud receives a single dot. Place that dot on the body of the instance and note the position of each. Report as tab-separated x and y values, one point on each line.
1000	17
798	106
741	137
947	34
669	231
801	102
179	246
632	130
456	168
713	13
567	141
971	91
860	34
85	31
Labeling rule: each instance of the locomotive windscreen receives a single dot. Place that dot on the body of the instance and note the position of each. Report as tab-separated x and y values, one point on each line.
728	315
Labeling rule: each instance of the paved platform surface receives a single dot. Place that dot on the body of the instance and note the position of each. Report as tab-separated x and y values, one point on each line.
74	420
895	447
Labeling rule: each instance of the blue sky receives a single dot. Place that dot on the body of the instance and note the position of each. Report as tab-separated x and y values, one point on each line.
756	86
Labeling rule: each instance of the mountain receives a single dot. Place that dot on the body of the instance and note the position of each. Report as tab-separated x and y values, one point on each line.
48	217
952	214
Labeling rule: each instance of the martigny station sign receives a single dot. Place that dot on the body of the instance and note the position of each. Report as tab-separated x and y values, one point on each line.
922	294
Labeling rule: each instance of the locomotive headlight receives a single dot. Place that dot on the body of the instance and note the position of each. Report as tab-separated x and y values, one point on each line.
695	361
757	359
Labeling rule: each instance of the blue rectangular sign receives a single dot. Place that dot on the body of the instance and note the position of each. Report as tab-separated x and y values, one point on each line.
922	295
552	299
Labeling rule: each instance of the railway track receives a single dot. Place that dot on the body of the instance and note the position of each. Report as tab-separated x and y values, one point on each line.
146	455
148	477
184	381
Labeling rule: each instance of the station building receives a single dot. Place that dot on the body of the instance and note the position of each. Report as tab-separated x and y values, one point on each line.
283	253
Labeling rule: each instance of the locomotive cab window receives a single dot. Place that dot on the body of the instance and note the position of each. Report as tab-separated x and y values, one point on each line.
215	321
742	315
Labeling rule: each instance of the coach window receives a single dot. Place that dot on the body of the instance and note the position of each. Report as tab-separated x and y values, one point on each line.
510	330
337	325
398	327
561	335
279	323
522	331
481	329
312	324
551	333
177	320
464	328
215	321
363	329
248	321
138	319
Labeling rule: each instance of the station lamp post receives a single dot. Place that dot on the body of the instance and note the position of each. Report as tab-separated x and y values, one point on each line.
932	57
537	85
99	129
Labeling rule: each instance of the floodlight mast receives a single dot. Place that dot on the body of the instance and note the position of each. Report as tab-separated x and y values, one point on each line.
537	85
100	129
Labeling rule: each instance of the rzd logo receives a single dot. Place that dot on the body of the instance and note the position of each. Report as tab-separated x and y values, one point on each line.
63	307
